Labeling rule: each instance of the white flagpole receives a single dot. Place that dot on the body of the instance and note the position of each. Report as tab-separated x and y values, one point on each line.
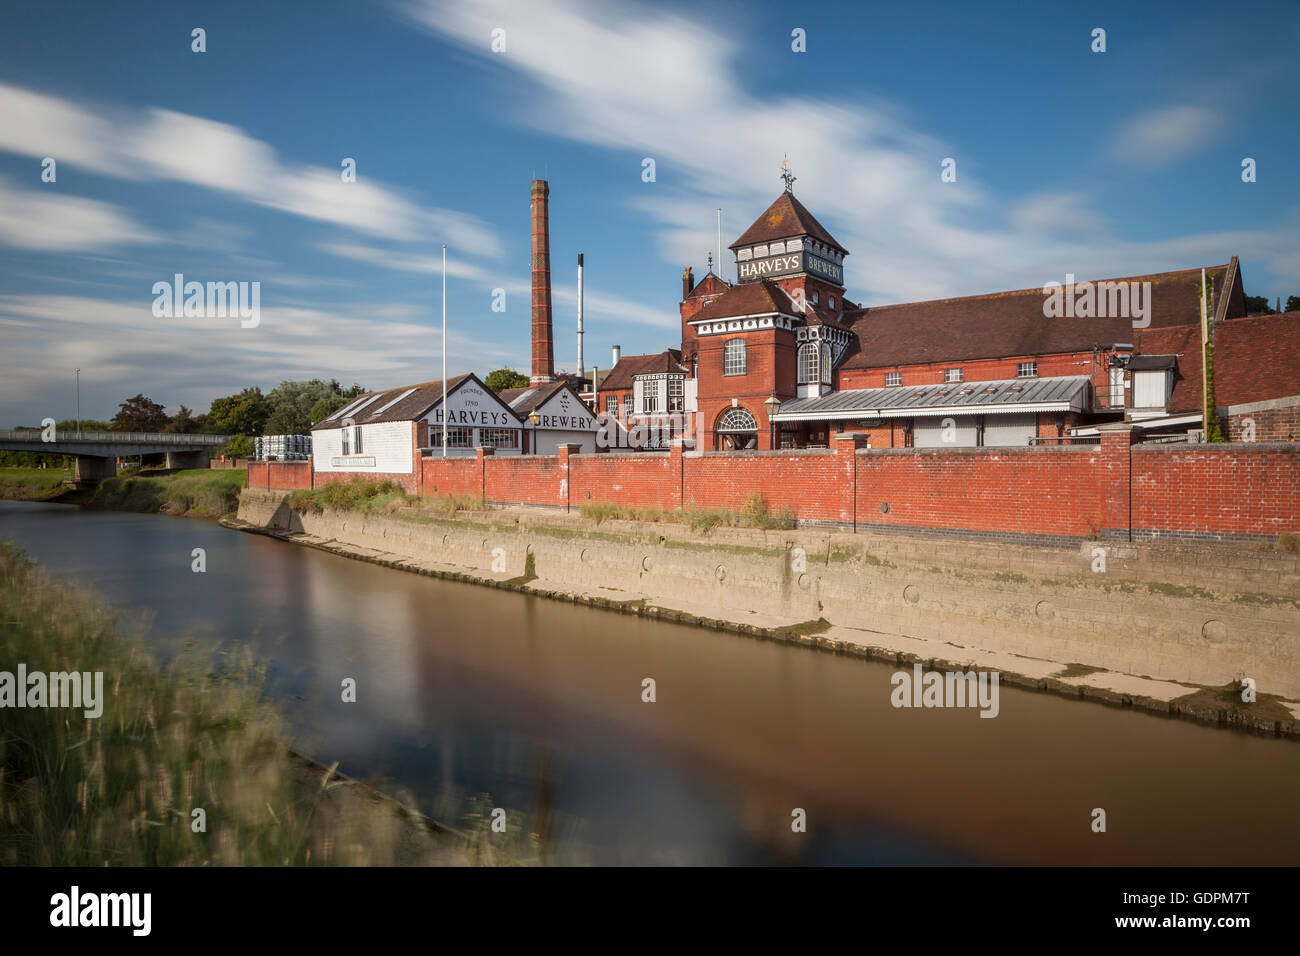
444	350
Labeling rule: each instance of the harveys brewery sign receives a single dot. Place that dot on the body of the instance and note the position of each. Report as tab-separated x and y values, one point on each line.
790	263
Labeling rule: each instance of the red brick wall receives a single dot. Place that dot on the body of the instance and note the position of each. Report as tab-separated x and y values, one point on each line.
1273	424
982	370
462	477
280	475
636	481
811	485
1202	490
406	481
1054	491
524	479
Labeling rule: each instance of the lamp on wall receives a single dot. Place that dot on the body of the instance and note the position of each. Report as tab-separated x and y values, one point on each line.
535	418
772	406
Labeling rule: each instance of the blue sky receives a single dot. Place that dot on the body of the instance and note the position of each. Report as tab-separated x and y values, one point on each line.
225	166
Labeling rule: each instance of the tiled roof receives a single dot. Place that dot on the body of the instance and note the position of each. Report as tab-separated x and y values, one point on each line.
403	404
783	219
522	401
751	298
709	285
1010	323
1014	393
620	377
1257	359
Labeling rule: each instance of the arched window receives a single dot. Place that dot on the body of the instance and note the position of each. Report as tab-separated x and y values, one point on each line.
738	420
809	363
737	429
733	357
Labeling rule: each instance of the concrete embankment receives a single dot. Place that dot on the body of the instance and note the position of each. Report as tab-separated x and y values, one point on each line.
1161	627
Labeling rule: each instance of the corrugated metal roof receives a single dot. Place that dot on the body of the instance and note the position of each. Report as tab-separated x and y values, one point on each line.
1015	393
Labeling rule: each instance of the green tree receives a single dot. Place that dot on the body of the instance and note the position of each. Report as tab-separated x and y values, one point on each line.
1293	303
139	414
242	414
326	407
504	378
182	423
1256	305
87	425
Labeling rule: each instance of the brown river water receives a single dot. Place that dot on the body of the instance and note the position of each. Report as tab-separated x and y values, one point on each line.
464	690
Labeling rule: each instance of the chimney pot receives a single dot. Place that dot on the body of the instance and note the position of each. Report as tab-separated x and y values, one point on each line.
617	352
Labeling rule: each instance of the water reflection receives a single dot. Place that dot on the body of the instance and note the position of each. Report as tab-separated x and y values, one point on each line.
464	690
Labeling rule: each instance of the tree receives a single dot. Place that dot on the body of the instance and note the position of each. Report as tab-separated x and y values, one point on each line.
87	425
326	407
139	414
1256	305
242	414
293	403
504	378
1293	303
182	423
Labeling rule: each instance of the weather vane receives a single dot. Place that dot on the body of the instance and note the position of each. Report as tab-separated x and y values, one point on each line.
786	175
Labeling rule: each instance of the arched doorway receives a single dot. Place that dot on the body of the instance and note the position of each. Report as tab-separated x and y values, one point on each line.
736	429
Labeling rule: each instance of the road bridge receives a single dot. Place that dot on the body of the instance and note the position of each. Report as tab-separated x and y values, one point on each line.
95	453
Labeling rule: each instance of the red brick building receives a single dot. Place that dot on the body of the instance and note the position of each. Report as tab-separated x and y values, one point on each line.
781	359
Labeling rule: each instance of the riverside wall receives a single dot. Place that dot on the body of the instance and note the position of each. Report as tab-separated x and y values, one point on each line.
1196	613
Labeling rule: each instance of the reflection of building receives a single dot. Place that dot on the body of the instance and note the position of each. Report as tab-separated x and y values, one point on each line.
781	358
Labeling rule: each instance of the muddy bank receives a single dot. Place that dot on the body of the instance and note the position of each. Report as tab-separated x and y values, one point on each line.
1162	629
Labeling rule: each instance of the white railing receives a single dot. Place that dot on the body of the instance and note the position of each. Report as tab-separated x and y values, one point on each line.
153	438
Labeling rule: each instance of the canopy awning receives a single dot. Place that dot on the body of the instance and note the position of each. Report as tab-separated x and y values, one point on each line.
1002	397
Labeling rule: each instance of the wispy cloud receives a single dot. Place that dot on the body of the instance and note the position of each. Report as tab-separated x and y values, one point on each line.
43	219
630	80
1162	136
159	144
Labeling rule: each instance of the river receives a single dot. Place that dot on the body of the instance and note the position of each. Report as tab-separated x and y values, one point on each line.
463	690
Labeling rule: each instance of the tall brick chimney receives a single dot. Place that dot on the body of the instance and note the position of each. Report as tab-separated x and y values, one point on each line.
688	282
543	353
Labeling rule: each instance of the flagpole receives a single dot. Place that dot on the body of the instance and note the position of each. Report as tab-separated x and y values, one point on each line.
444	350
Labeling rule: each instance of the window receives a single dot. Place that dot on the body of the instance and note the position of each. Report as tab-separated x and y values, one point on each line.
498	437
627	406
893	378
456	437
737	420
952	375
676	392
346	444
830	300
356	439
611	405
815	297
733	357
1026	370
809	363
649	397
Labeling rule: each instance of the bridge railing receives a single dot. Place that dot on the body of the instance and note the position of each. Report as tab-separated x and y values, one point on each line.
159	438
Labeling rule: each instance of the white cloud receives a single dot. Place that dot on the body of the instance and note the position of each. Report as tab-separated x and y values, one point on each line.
642	81
48	221
159	144
192	361
1161	136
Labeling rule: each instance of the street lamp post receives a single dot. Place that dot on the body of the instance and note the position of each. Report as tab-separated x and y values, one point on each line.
78	403
771	406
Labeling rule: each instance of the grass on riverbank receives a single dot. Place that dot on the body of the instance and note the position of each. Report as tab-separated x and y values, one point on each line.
121	789
383	497
753	514
32	484
197	491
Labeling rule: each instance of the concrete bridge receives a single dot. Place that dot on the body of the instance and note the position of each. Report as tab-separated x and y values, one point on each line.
96	453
